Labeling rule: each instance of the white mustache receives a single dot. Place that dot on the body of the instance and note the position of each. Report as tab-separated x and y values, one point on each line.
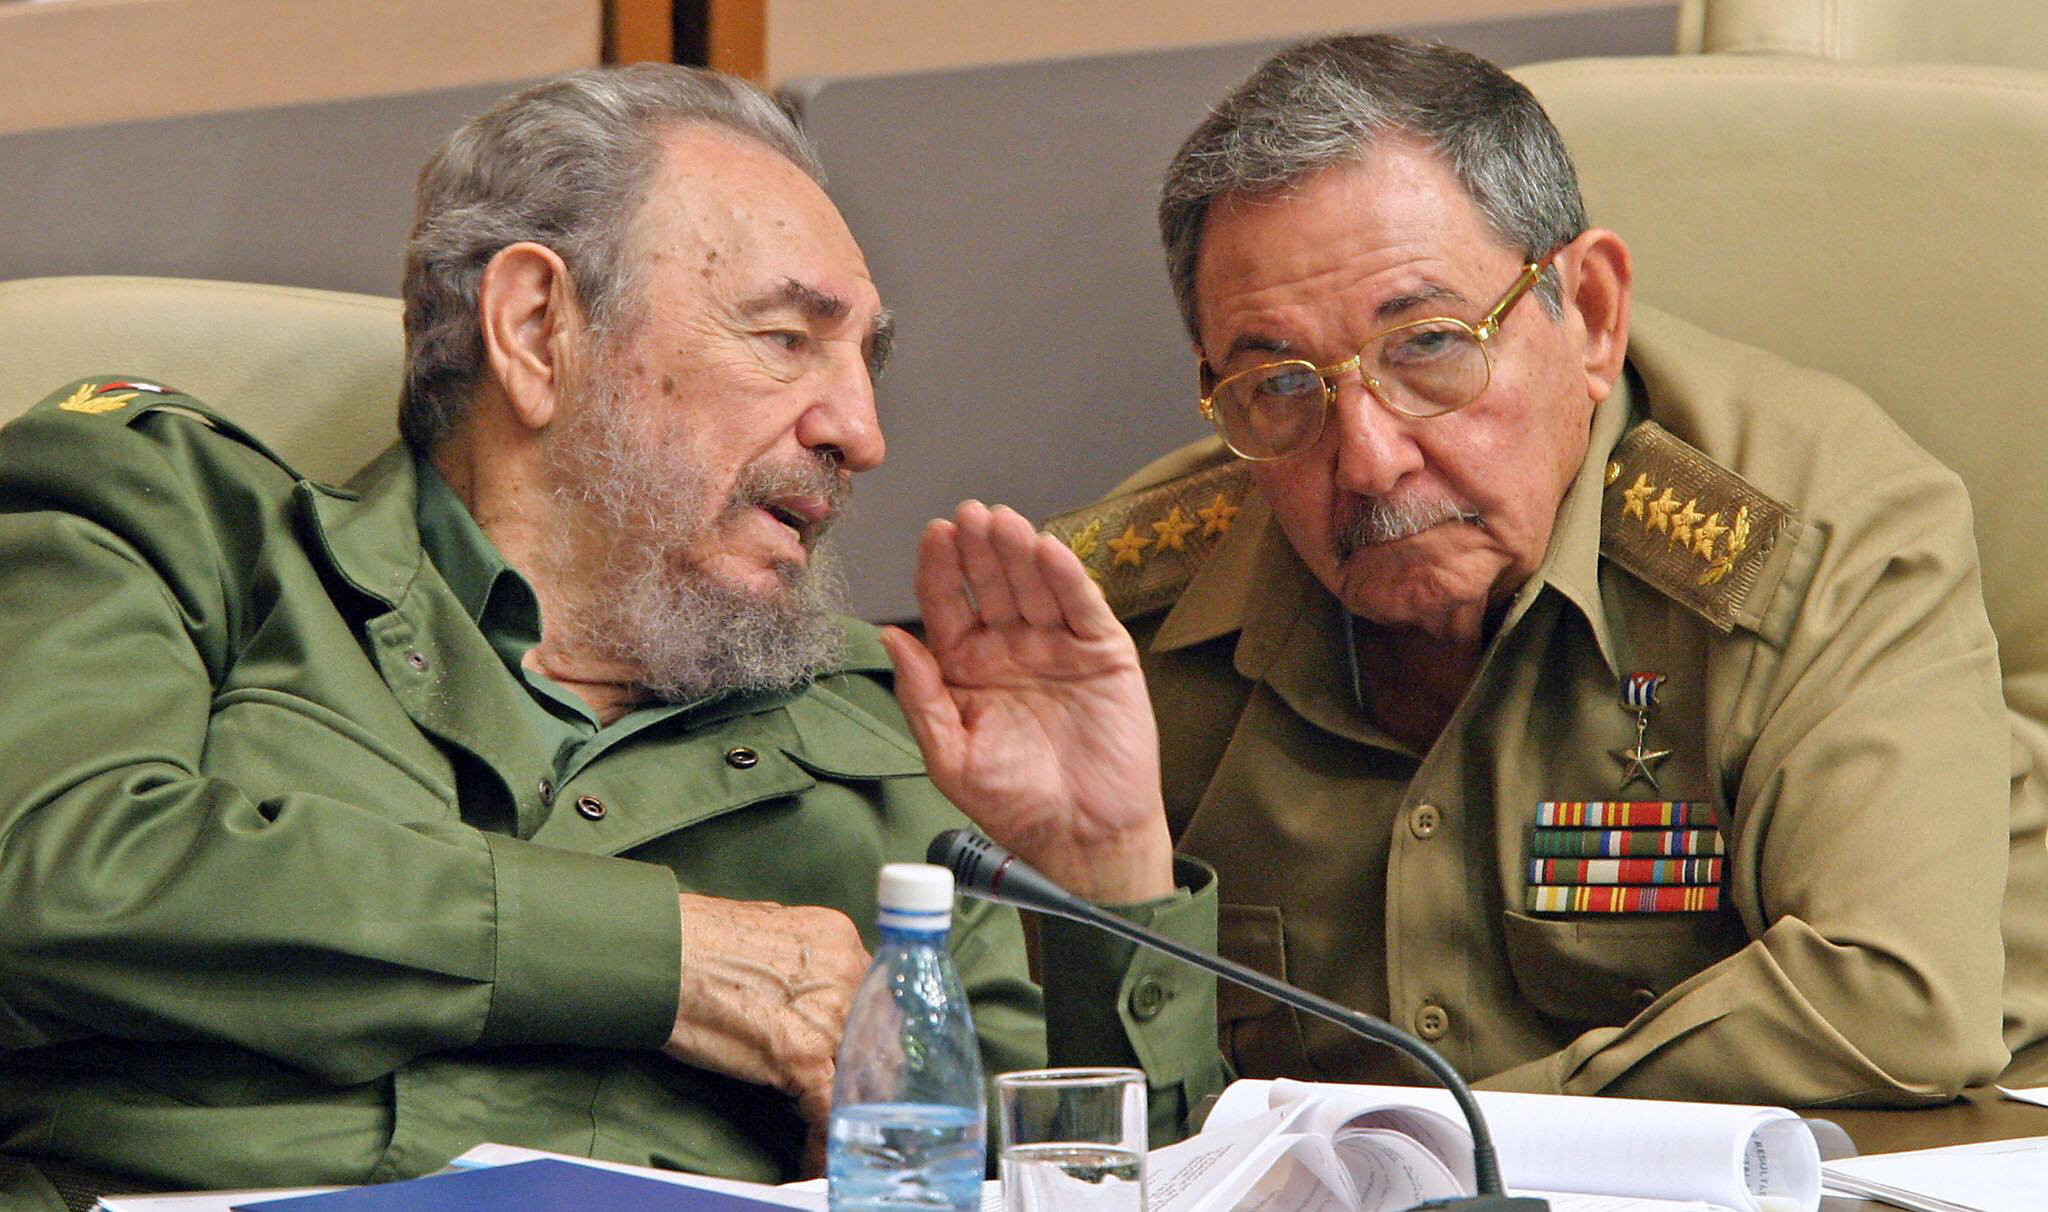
1389	521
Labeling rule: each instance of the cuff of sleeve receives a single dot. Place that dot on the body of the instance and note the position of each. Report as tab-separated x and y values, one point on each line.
589	949
1108	999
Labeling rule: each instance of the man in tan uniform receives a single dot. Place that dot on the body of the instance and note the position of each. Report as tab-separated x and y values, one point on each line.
1610	705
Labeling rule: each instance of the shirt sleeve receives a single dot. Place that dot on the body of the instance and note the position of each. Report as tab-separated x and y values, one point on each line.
1109	1001
1872	771
147	899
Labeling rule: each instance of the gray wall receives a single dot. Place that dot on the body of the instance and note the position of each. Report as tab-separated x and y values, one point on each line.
302	195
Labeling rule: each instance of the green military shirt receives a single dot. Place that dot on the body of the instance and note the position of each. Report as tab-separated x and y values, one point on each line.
296	891
1832	696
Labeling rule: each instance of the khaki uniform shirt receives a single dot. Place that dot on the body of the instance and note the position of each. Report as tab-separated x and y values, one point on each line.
1833	696
287	894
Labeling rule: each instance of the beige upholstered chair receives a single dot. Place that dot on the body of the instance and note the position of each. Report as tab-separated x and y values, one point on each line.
2007	33
1883	222
314	373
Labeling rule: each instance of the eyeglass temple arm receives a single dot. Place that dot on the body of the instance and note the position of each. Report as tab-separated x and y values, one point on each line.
1519	287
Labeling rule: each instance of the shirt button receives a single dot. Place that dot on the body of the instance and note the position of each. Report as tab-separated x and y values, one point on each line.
417	659
739	757
547	791
591	807
1423	821
1148	998
1432	1022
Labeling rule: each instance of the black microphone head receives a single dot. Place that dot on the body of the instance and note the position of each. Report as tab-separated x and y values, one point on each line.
972	858
983	869
940	851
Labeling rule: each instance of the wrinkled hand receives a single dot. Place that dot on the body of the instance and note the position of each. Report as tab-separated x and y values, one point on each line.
765	992
1030	706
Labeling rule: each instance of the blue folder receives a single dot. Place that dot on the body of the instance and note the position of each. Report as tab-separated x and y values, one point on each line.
535	1186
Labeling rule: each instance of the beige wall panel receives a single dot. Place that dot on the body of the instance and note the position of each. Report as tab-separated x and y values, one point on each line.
881	37
86	61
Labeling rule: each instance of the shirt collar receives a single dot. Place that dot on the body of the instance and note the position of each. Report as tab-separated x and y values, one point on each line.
498	599
1252	584
1571	565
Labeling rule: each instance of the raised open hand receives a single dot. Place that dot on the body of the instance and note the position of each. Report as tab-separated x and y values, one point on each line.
1030	706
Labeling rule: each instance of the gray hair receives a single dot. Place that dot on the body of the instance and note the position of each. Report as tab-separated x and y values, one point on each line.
1332	100
566	164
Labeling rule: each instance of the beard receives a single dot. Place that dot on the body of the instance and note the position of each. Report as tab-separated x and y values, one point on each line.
1381	520
632	510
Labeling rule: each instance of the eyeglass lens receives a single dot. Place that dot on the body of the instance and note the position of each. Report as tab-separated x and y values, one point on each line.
1423	370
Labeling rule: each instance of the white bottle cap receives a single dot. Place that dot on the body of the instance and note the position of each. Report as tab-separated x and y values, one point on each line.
913	891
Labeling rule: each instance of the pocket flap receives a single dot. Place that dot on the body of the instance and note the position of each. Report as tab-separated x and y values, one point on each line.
1252	935
1606	970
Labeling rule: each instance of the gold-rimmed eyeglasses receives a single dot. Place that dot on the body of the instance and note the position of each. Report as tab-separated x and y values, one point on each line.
1423	368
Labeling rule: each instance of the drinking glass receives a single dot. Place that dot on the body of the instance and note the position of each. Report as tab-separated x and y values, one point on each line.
1073	1140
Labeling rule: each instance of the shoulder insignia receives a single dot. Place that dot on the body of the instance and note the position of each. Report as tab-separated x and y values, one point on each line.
1688	526
94	398
127	400
1143	546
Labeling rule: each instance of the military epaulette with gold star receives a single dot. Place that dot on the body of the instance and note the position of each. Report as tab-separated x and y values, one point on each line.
1694	530
1143	546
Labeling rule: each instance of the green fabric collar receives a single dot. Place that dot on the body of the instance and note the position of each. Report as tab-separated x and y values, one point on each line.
368	529
500	601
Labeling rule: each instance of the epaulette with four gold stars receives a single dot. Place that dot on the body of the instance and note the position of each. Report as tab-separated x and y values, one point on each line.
1143	546
1694	530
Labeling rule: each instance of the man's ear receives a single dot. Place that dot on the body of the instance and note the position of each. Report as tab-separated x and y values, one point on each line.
1597	275
1204	375
531	319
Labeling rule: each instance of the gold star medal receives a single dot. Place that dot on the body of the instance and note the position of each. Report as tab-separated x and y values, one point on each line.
1639	695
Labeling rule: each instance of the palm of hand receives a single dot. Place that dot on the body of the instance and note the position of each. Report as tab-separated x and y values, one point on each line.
1030	706
1056	730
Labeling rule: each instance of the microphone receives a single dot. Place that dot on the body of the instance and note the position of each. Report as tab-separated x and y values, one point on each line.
985	870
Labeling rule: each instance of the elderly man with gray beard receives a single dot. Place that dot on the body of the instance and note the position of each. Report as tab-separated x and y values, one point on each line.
1611	705
528	788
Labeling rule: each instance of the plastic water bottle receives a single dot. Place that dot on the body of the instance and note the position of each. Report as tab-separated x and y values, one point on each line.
908	1125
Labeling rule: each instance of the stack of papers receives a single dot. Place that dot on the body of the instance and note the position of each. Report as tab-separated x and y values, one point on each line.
1289	1146
1990	1176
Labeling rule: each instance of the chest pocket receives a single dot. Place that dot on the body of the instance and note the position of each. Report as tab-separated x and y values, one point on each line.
272	744
1603	971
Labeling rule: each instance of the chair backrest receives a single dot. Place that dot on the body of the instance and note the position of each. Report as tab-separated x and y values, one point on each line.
314	373
1882	222
2007	33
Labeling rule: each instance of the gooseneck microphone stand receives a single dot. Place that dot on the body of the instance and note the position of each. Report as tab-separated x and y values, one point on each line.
985	870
